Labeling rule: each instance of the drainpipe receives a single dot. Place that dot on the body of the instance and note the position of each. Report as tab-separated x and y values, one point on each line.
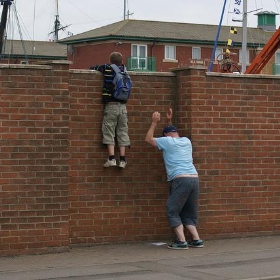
152	47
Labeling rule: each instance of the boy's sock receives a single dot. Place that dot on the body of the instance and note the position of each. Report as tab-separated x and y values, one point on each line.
122	158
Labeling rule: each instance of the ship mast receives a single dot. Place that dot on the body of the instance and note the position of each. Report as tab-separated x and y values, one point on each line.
57	25
6	4
244	38
126	12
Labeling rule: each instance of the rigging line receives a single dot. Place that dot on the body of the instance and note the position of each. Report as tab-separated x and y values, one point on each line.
8	45
12	36
22	22
276	6
258	31
111	3
20	33
228	12
82	11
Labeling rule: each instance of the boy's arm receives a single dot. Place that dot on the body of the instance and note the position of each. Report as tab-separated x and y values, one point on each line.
100	68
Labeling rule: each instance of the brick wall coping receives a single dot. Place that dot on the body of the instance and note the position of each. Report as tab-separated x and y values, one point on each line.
25	66
40	65
235	75
135	73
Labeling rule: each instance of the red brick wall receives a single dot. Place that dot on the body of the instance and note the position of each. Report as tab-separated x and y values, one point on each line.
234	125
55	193
34	104
109	205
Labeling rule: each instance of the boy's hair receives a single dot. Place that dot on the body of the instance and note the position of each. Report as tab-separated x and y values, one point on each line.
116	58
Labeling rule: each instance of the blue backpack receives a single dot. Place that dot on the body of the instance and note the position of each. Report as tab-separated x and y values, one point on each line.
122	83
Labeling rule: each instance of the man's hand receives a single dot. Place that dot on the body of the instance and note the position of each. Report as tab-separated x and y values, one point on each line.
169	116
156	117
150	134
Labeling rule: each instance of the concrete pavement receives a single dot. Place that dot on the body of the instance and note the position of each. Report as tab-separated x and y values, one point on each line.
242	258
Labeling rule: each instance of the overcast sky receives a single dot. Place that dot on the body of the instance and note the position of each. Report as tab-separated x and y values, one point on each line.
36	17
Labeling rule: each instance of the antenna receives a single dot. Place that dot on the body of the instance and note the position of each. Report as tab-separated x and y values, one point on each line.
124	9
126	13
57	25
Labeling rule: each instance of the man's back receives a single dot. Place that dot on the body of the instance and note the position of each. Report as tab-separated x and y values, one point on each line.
177	155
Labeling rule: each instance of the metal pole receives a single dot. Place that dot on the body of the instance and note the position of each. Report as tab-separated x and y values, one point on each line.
56	23
217	38
3	23
244	37
124	9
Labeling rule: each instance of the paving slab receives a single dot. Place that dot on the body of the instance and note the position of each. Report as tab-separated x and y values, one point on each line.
253	258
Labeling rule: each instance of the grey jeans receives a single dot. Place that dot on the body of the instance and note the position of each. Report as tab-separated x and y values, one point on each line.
182	203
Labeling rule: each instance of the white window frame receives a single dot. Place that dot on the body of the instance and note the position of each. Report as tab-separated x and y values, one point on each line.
196	53
138	57
170	52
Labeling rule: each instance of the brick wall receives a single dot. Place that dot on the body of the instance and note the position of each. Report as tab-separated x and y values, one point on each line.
55	193
234	125
34	155
109	205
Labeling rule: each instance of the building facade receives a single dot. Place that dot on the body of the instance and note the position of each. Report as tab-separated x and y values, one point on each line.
162	46
31	52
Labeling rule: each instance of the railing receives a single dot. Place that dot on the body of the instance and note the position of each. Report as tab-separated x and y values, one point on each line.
276	69
227	64
144	64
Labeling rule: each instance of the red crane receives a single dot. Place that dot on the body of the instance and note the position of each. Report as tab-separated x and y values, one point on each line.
265	55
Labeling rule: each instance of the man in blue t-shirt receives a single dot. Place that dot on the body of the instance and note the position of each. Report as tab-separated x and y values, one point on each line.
182	203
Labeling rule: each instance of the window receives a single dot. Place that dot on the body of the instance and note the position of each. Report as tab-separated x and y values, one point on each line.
277	57
218	54
276	67
196	53
247	56
170	52
138	57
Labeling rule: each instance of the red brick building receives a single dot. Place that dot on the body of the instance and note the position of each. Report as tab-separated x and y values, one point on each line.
161	46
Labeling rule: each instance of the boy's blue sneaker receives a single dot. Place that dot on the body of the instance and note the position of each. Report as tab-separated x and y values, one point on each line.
178	245
196	243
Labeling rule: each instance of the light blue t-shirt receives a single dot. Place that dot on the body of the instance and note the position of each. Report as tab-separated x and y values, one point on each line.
177	155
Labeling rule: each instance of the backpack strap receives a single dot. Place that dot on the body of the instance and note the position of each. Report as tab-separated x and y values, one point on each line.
116	68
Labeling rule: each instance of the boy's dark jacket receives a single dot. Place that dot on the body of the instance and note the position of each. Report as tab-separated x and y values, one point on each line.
108	86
